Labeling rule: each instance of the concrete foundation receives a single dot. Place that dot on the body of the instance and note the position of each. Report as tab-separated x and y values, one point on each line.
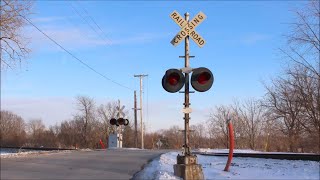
187	168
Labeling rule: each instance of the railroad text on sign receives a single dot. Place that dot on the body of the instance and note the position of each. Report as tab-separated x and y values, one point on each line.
188	28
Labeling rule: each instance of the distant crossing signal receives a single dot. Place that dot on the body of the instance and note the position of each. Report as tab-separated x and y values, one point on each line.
113	121
201	79
120	121
173	80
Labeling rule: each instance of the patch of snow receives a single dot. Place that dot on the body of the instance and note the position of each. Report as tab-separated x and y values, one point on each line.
241	168
125	148
87	149
204	150
28	153
4	154
159	168
132	149
254	168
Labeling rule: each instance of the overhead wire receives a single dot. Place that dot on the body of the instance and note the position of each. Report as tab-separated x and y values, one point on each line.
109	42
92	19
82	62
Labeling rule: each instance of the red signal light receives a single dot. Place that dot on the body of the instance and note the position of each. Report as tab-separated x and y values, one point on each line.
173	79
120	121
113	121
203	78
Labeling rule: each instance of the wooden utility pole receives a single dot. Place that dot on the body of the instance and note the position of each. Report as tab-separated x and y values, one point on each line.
119	127
135	120
141	122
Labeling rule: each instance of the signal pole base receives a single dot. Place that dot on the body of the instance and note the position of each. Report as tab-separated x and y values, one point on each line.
187	168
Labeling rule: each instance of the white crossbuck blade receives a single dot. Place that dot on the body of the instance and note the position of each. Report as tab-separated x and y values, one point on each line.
120	111
159	143
188	29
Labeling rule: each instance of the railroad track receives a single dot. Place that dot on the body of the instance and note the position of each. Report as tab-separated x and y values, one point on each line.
288	156
37	148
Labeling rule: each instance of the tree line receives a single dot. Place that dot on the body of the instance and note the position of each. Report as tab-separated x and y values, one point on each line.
84	130
257	126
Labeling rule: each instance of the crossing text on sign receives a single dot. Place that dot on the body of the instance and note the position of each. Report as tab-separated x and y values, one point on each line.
188	28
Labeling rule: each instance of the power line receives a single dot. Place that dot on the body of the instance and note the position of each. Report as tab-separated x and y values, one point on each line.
108	42
85	64
92	19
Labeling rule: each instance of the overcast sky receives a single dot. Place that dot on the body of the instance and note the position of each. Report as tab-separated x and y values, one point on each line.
242	41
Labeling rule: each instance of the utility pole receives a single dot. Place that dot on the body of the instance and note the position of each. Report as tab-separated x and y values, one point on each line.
119	127
135	120
141	122
186	94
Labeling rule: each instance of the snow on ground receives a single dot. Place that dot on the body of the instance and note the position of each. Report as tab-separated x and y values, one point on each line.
8	153
125	148
87	149
241	168
13	153
254	168
159	168
29	153
204	150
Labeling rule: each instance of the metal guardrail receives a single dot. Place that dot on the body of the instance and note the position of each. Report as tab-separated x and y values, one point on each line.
288	156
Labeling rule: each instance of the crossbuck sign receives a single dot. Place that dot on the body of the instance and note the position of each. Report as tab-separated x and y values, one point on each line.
188	28
120	111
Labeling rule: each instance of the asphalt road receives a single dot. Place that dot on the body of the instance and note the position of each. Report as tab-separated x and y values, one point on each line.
100	164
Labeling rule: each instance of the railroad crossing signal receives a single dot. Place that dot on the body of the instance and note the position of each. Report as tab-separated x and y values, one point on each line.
174	80
118	122
188	28
202	78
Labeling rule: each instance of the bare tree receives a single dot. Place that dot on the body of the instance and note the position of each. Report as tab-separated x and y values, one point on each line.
172	138
105	113
252	115
307	86
86	107
70	133
294	98
218	124
36	129
12	129
303	49
281	99
303	46
128	138
13	43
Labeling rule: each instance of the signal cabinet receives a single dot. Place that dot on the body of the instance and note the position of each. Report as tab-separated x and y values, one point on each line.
115	141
